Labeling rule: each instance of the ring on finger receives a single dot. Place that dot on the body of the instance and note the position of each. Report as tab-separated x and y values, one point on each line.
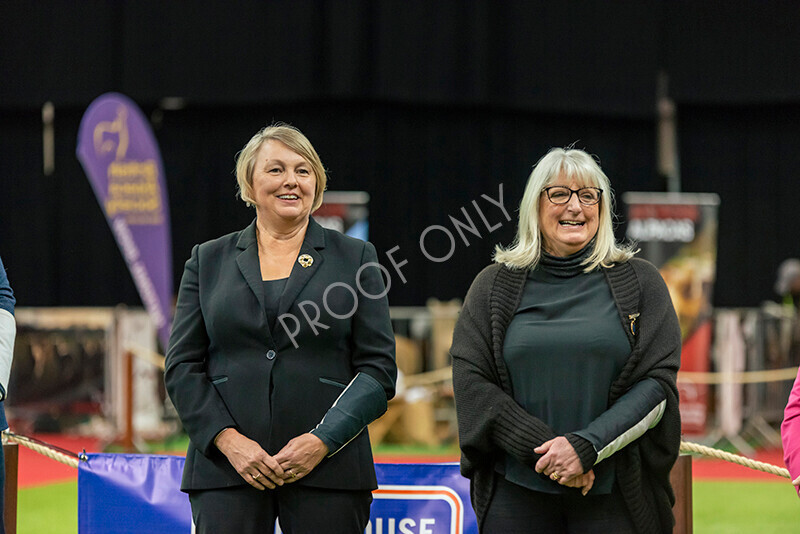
292	474
256	476
555	476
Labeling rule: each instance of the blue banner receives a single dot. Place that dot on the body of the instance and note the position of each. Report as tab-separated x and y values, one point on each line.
135	493
132	493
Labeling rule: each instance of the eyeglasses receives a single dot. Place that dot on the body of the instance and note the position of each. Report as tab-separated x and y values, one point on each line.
559	194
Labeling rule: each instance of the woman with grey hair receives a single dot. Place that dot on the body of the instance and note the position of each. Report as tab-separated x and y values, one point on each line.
565	358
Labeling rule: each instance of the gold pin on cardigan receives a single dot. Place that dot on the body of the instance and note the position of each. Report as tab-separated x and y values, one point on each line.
305	260
633	318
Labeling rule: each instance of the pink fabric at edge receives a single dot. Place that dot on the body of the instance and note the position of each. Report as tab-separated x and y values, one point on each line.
790	432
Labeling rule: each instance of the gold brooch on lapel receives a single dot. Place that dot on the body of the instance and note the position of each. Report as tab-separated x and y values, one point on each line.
305	260
634	327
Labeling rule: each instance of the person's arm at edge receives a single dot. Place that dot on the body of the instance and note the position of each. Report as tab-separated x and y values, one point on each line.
790	434
8	330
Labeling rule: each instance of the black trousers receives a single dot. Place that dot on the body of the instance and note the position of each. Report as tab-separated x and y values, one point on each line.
518	510
299	510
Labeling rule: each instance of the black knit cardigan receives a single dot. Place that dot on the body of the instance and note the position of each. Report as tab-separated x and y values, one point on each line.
491	423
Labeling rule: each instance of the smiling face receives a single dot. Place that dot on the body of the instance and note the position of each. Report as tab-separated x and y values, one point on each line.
284	184
567	228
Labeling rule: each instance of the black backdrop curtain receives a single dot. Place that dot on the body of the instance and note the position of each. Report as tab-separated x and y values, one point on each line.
749	156
733	74
586	57
425	105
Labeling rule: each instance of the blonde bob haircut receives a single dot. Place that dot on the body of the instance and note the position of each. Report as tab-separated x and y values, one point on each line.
292	138
574	164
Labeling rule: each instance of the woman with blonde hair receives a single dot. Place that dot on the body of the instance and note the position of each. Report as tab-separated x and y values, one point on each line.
565	358
281	353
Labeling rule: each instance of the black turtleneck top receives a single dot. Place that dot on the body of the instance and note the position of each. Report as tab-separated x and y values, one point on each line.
563	349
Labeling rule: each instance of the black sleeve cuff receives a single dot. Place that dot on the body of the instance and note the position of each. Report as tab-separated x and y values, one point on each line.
585	450
363	401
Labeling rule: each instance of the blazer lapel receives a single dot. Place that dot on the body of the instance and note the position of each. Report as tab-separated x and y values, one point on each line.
312	243
247	260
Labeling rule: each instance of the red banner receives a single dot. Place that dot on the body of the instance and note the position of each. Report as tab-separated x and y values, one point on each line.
678	233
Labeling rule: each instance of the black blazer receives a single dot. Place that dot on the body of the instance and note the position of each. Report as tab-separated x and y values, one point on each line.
225	368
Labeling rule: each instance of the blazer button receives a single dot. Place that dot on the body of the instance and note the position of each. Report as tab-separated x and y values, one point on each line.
271	354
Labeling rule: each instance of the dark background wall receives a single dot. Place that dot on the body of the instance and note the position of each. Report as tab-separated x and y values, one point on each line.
424	105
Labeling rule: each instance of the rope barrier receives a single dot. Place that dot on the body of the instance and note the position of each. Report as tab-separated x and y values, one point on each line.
743	377
429	377
72	459
150	356
689	447
65	457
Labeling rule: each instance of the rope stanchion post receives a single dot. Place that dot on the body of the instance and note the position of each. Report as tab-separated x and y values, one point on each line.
681	479
127	438
11	457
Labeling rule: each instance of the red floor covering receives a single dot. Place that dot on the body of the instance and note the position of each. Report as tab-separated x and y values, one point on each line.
36	469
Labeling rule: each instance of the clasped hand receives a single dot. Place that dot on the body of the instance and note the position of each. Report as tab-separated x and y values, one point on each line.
561	463
262	471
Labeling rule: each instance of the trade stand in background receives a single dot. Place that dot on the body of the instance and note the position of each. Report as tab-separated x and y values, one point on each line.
677	232
69	371
120	156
